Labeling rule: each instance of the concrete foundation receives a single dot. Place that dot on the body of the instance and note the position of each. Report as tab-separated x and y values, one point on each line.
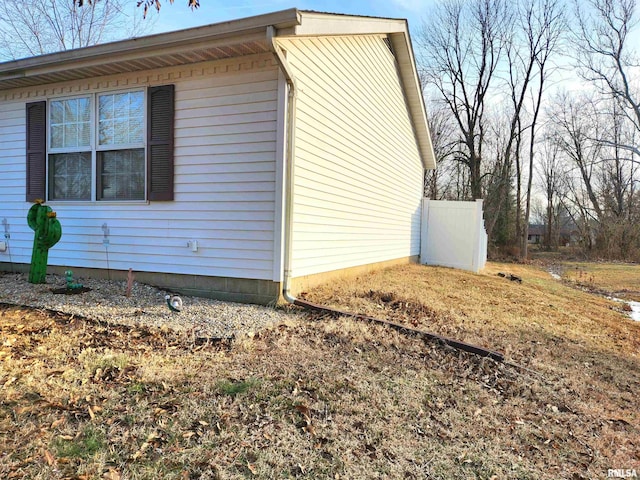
301	284
242	290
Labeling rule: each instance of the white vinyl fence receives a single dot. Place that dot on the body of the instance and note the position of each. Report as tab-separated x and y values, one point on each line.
453	234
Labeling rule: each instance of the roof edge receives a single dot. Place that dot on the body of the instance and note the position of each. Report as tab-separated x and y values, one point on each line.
413	91
288	23
318	23
282	20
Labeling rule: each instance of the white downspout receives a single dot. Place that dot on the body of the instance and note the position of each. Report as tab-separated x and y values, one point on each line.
289	156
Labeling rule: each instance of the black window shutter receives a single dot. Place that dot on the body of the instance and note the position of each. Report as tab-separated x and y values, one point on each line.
36	151
160	113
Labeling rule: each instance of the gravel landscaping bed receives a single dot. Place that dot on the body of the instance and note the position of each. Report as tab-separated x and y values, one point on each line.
146	306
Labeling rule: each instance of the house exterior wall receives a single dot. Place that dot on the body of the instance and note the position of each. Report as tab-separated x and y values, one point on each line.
358	171
225	179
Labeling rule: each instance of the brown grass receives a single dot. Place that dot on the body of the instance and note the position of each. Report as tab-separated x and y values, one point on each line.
334	398
620	279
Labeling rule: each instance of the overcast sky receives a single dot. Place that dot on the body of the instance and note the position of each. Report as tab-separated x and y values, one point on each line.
178	16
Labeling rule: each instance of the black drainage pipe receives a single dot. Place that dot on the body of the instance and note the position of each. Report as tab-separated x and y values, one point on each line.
466	347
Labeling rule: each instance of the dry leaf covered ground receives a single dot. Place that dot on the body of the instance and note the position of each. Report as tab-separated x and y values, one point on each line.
334	398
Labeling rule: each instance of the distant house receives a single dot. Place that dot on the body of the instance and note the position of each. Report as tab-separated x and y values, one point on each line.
565	236
231	160
535	234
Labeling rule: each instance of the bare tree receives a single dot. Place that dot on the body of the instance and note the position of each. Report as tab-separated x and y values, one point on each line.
490	67
575	125
608	59
440	183
618	167
602	178
543	23
551	176
501	148
619	234
468	48
36	28
461	47
537	29
605	55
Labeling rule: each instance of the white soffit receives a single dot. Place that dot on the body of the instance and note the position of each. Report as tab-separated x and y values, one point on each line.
131	62
211	42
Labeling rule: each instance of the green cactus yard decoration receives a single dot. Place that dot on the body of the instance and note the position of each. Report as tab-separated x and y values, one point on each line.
42	220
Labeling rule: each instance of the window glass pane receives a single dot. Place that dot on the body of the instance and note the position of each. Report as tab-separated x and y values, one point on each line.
70	176
70	111
121	105
57	113
84	110
106	132
122	175
136	117
135	130
105	107
70	135
57	135
136	104
84	133
120	133
121	118
68	121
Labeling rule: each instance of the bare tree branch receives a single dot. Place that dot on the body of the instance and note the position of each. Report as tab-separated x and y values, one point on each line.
146	4
605	55
36	28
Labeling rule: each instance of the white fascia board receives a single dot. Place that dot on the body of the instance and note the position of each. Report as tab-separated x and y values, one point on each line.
324	24
401	43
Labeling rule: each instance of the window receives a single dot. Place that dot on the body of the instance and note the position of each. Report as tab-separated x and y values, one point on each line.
119	153
96	147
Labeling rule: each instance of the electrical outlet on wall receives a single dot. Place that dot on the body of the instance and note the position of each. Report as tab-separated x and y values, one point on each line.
193	245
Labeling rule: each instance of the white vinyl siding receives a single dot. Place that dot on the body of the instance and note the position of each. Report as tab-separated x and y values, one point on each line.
358	171
225	148
12	166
